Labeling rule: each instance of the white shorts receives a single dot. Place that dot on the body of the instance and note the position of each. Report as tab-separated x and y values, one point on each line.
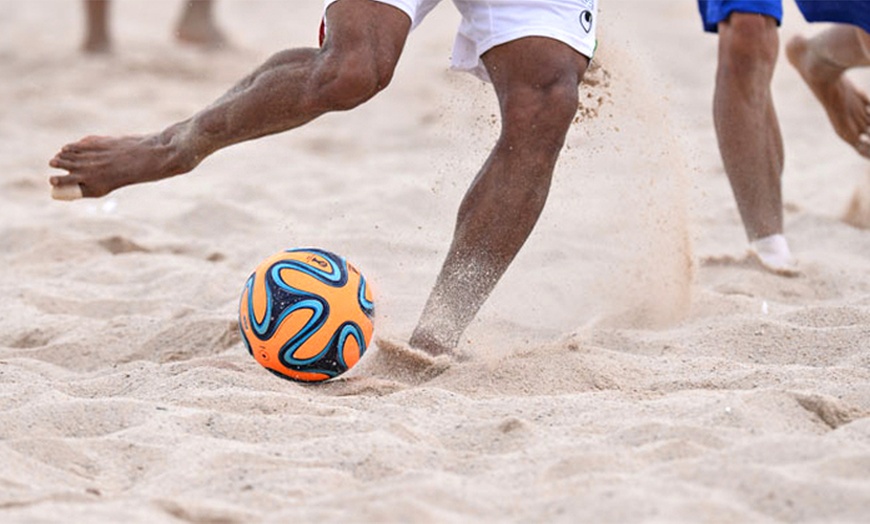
488	23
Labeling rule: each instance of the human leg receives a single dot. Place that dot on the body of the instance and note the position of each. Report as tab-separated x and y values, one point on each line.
747	129
292	88
536	82
97	39
822	61
197	26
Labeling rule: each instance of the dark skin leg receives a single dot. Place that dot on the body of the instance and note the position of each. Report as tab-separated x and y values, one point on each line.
97	38
746	123
536	81
292	88
195	26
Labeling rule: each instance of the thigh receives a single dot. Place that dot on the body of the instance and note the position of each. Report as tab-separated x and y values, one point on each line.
715	11
416	10
488	25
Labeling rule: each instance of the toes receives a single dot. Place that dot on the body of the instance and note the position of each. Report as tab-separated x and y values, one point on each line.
66	158
64	180
93	142
69	159
88	143
61	162
863	144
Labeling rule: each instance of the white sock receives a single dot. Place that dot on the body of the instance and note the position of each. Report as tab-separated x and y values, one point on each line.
773	253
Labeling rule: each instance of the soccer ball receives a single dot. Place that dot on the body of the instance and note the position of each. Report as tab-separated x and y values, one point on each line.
306	314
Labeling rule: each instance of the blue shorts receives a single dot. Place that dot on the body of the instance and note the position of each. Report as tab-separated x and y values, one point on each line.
855	12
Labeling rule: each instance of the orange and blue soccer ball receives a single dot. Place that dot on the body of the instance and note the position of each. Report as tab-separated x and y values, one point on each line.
306	314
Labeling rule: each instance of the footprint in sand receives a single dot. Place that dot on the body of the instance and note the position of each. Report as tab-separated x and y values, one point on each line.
117	245
833	412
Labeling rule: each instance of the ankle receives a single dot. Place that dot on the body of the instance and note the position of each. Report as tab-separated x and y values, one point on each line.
180	151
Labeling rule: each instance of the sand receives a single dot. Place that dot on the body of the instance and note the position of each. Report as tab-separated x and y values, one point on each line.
632	366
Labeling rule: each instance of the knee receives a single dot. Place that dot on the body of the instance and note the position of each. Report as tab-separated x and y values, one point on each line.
541	113
345	81
748	44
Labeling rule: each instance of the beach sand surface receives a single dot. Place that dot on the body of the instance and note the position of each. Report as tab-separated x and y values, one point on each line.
633	365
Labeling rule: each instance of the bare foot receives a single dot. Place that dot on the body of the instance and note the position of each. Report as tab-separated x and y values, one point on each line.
97	34
99	165
848	108
97	45
197	27
209	38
